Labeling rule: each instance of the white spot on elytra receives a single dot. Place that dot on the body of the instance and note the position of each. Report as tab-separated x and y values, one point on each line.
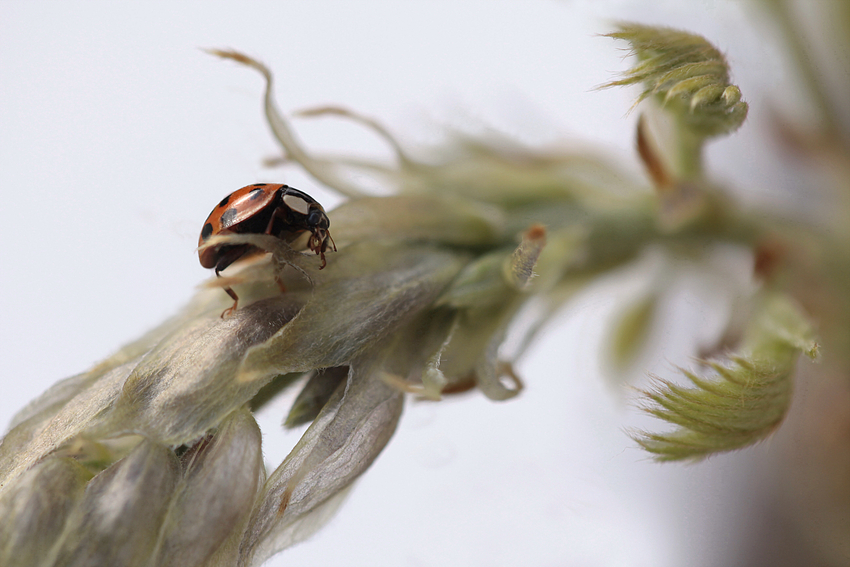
297	204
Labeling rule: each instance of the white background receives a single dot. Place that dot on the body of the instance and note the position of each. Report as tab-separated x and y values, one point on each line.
118	135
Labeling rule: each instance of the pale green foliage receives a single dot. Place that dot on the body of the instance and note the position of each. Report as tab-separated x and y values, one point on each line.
64	516
153	456
746	399
687	75
631	330
418	299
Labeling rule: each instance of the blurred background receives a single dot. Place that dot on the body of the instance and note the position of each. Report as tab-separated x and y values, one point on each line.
119	134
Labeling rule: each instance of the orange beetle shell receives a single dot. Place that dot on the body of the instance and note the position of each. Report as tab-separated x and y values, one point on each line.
243	203
262	208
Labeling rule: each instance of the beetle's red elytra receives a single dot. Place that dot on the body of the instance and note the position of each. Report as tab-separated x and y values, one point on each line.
263	208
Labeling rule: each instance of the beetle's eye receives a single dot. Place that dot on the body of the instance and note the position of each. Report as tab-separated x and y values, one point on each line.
314	218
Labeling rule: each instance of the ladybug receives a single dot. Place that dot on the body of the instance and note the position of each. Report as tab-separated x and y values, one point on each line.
263	208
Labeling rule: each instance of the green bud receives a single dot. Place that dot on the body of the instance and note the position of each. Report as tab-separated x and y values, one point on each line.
315	394
118	519
36	507
342	442
630	331
221	475
687	75
745	401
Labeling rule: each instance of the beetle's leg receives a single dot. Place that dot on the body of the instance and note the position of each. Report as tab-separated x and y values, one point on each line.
275	214
326	237
229	254
229	311
224	261
279	283
232	294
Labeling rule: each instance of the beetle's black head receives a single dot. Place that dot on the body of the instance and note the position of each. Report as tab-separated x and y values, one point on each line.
317	219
